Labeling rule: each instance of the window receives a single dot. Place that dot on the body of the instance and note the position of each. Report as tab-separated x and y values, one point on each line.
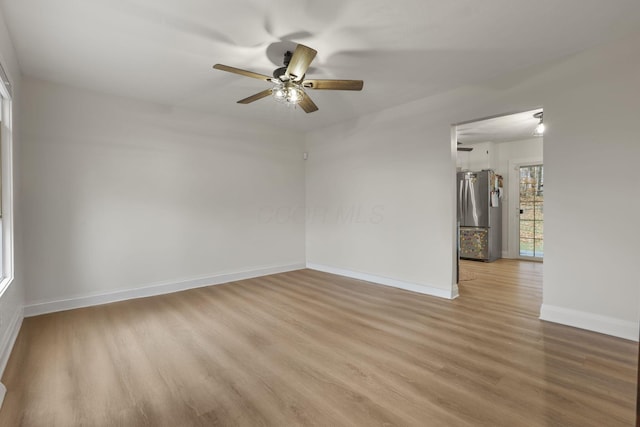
6	183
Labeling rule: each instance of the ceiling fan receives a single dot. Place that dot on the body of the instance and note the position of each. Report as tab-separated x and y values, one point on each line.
289	82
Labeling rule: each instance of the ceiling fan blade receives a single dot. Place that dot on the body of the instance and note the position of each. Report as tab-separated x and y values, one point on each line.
308	105
255	97
300	61
333	84
242	72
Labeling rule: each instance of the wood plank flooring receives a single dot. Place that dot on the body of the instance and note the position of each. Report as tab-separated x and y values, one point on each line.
310	348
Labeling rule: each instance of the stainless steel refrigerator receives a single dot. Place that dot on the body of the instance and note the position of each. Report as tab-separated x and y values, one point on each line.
479	215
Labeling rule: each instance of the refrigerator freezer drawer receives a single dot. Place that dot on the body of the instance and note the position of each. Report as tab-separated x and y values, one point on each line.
474	243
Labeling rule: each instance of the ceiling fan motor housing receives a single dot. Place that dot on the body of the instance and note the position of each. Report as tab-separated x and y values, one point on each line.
279	72
287	58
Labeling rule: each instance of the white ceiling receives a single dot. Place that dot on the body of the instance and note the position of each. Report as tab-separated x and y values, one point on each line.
163	50
513	127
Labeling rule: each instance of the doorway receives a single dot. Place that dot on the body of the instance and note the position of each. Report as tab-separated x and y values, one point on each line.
511	147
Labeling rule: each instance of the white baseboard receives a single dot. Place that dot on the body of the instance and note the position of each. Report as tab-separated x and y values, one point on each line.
589	321
455	293
414	287
8	340
35	309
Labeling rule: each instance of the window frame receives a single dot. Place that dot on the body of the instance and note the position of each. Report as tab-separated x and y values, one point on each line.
6	189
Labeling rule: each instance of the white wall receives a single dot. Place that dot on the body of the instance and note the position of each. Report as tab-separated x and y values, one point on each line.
592	196
12	299
403	159
483	156
121	195
381	168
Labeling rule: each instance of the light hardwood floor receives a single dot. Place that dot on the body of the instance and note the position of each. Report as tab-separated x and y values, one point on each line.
309	348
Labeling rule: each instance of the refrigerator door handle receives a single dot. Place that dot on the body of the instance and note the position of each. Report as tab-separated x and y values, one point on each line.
461	201
466	200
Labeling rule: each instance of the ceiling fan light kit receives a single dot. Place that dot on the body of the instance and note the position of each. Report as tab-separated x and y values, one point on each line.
287	92
289	83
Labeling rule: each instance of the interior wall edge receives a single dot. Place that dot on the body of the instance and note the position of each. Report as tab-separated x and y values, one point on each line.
3	392
36	309
386	281
9	339
590	321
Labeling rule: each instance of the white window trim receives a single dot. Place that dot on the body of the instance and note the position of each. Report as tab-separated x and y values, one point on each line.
7	195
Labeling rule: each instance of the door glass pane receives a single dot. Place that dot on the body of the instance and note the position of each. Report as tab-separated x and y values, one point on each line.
527	211
531	211
538	229
539	211
527	229
526	247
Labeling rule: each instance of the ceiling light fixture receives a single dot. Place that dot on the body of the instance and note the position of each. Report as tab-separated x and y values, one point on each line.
539	131
288	92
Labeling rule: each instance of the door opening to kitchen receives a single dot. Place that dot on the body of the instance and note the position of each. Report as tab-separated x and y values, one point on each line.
499	192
